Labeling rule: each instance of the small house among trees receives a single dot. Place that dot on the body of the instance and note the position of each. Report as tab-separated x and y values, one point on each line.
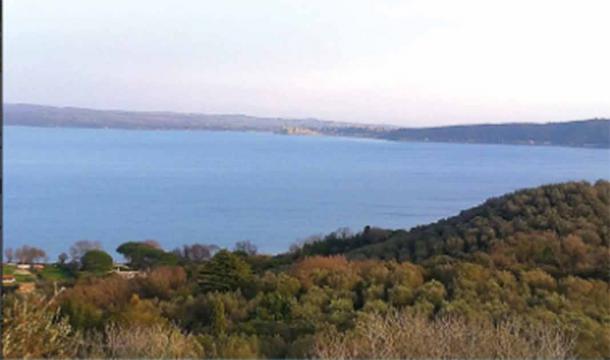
8	280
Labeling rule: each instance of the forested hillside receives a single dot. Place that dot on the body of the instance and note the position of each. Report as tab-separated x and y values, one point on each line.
588	133
525	275
563	228
53	116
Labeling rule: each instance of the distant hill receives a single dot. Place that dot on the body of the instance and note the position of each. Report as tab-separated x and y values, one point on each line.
561	228
50	116
586	133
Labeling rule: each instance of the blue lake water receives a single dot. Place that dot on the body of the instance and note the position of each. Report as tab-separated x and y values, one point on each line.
63	185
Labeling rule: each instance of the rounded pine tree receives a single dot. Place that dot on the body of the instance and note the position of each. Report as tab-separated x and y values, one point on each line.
96	261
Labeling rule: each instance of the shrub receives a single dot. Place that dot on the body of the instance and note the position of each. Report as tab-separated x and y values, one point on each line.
156	341
162	282
33	328
230	346
402	335
91	299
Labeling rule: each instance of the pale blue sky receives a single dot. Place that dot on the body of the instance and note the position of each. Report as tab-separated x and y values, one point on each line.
411	63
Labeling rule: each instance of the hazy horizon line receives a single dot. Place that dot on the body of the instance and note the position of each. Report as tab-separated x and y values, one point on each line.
177	112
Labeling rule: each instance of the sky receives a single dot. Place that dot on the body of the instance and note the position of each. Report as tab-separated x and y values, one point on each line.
410	63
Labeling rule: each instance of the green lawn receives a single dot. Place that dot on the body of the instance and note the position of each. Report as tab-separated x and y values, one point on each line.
55	273
49	273
24	278
8	269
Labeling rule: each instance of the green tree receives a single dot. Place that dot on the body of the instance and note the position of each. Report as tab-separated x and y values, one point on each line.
96	261
143	255
224	272
219	323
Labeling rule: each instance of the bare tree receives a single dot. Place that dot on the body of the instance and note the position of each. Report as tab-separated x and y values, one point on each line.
199	252
20	256
247	247
397	335
63	257
298	245
29	254
79	248
196	252
343	233
9	254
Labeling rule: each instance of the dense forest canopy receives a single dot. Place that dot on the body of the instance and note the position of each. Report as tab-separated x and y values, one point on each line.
524	275
563	228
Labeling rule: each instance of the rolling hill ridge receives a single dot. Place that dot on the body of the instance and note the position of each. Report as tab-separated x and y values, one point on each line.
561	228
593	133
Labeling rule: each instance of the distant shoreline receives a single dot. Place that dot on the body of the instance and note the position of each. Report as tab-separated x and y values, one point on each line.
593	133
354	138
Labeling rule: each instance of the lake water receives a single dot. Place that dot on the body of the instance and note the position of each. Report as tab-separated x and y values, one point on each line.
178	187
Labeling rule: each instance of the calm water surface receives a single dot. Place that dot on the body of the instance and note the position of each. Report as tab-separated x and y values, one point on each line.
178	187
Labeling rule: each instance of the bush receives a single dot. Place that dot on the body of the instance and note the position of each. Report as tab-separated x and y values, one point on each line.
33	328
231	346
91	300
156	341
401	335
162	282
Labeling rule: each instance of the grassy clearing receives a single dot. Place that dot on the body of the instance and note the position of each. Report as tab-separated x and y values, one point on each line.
8	269
24	278
55	273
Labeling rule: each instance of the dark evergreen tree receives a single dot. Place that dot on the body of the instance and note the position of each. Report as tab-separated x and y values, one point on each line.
224	272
